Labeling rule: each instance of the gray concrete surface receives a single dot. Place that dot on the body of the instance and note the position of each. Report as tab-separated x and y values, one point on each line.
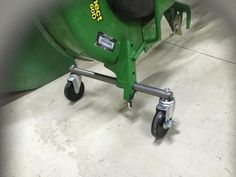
47	136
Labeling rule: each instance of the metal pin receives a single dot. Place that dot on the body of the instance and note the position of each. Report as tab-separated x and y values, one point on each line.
130	105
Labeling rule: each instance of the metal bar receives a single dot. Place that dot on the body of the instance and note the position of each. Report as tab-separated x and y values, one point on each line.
153	91
166	94
93	75
86	58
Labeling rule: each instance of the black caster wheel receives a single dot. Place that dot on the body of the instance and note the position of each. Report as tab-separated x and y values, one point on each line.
157	125
70	93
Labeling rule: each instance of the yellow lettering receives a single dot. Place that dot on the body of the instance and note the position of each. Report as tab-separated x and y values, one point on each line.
92	11
94	16
95	11
96	6
98	13
99	19
91	6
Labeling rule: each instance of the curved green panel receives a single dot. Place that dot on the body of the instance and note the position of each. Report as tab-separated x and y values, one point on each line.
73	28
91	28
36	64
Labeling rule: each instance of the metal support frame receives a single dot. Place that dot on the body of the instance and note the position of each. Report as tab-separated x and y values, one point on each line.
166	102
166	94
93	75
162	93
76	81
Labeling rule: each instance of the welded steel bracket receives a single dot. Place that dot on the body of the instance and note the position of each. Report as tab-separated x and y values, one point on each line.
76	81
168	106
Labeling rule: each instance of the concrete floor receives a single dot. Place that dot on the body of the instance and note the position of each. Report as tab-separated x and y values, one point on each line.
47	136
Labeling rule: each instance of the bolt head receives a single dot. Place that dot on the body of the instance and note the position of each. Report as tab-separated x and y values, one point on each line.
167	124
167	90
72	67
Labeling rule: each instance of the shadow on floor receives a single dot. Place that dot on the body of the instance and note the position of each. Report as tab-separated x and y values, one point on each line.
6	98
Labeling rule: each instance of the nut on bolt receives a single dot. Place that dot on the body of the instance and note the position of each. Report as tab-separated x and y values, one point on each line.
167	90
72	67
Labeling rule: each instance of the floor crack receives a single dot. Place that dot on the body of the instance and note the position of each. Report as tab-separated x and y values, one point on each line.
218	58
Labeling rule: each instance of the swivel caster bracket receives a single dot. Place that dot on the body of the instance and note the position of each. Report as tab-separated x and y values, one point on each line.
76	81
168	106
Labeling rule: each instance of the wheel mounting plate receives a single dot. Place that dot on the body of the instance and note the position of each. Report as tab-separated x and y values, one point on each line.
168	106
76	81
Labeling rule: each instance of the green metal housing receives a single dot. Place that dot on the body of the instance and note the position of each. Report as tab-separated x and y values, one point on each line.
75	27
33	61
